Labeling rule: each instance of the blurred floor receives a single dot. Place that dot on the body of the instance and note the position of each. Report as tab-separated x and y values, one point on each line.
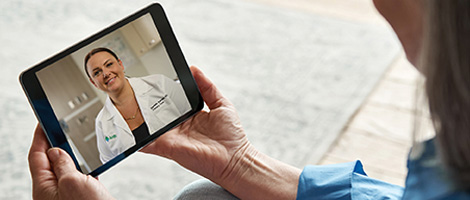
382	125
379	134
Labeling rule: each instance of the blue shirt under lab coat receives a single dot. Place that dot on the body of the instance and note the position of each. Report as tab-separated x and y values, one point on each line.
426	180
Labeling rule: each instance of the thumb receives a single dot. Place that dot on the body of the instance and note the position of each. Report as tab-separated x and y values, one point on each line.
61	162
211	95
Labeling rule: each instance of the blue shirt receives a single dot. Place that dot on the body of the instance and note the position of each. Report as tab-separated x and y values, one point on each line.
426	179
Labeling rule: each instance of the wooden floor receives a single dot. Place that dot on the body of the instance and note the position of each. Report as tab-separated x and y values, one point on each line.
380	133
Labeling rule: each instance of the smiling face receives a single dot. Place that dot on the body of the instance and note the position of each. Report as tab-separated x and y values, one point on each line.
106	72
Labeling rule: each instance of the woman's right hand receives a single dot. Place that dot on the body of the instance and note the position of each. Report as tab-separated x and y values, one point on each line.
211	142
214	145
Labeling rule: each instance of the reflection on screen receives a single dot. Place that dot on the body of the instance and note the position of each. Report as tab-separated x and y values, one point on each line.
119	97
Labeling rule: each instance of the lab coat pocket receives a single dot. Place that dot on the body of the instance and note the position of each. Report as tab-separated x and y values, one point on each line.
167	111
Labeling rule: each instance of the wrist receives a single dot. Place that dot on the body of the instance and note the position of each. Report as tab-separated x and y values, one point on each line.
254	175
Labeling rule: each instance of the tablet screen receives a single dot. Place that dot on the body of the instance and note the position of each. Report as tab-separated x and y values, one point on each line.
114	92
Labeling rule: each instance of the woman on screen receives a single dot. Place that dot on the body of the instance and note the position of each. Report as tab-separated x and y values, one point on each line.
134	107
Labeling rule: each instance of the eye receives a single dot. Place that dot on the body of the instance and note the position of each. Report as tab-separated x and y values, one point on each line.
109	64
96	73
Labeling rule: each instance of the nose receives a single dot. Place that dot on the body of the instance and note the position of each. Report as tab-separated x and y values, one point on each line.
105	73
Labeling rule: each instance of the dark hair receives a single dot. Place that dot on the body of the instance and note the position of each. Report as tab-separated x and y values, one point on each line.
93	52
446	65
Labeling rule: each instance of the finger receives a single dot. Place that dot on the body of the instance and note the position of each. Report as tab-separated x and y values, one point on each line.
211	95
61	162
40	143
161	144
37	158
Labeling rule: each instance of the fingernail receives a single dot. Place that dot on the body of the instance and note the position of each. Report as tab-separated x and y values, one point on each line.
53	154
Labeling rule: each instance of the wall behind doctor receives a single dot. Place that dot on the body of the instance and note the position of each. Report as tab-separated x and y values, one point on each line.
75	105
144	40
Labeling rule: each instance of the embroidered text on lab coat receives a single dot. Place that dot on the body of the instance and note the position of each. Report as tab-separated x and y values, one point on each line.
159	103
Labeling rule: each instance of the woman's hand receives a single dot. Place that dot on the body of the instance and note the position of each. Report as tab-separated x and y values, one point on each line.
210	142
55	176
214	145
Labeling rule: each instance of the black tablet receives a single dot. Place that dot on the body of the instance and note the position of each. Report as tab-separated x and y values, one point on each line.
107	96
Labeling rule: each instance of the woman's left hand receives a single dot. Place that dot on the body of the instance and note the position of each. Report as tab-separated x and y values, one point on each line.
55	176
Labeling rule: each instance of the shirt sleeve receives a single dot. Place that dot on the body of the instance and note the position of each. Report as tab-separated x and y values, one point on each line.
343	181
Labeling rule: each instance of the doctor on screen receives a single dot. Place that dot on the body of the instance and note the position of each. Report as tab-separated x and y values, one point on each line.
134	107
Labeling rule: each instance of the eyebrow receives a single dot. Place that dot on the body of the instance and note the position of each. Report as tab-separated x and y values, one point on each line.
106	61
97	68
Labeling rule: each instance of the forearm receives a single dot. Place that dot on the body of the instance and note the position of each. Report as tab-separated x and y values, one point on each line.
257	176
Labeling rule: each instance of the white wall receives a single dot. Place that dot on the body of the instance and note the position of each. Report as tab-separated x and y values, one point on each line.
156	61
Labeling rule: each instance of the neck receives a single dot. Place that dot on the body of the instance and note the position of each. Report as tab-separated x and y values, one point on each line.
124	96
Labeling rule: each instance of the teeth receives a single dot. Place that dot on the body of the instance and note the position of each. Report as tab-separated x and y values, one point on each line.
109	80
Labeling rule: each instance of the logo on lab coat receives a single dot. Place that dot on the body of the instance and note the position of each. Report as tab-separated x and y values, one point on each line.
110	137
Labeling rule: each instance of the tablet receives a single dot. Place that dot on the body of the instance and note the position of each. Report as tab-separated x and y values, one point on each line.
109	95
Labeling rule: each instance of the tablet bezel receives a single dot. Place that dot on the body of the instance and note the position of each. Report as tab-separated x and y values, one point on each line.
43	109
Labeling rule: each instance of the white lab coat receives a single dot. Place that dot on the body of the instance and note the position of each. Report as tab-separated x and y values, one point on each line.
161	100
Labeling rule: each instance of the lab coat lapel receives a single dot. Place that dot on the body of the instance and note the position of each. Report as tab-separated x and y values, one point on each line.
116	118
140	90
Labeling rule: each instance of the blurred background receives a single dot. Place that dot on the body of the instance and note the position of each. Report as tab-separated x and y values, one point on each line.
314	81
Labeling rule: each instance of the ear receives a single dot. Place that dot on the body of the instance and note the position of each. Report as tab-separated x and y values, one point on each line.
406	18
93	82
120	64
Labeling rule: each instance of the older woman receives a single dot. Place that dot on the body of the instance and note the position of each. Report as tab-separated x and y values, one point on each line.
134	107
434	34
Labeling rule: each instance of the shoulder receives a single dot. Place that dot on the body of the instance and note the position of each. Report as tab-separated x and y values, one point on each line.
428	178
104	113
154	81
100	115
150	79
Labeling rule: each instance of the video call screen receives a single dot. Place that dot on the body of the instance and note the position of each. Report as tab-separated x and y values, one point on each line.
114	93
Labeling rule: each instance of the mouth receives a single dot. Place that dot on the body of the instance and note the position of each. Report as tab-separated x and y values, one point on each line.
111	80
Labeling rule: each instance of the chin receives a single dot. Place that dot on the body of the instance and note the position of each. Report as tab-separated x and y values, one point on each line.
114	87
